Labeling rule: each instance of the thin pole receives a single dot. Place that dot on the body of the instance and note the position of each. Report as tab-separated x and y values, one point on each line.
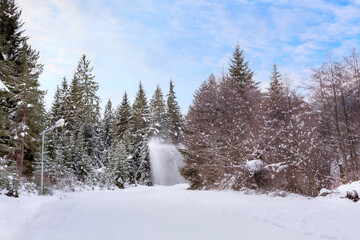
42	163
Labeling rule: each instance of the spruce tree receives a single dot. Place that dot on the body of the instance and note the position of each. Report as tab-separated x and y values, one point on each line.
84	120
202	156
120	168
159	121
20	71
239	70
175	117
122	119
140	123
29	113
4	123
107	134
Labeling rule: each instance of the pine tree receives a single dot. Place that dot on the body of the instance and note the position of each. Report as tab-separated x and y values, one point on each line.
107	136
223	127
11	33
122	120
84	120
20	72
239	70
28	114
174	115
4	123
140	132
276	119
120	169
202	156
159	121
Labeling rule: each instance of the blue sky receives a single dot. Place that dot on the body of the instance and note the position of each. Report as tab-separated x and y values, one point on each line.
155	41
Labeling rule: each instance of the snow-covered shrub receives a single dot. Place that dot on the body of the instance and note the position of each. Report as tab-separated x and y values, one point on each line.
350	191
9	180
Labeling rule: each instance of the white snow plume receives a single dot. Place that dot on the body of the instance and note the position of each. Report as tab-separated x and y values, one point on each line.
165	162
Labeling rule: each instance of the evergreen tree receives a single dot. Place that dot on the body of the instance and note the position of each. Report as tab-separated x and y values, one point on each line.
174	115
276	119
4	123
29	113
107	136
202	157
239	70
84	121
223	127
123	116
139	135
159	121
20	72
120	169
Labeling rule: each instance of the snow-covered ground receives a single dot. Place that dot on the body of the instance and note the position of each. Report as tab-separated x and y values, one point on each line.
170	213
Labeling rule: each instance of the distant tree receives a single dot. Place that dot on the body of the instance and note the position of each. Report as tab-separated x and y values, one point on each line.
202	156
120	168
175	117
107	136
84	120
140	123
223	127
159	120
239	72
122	122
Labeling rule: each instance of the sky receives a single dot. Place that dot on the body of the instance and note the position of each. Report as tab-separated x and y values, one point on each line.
152	41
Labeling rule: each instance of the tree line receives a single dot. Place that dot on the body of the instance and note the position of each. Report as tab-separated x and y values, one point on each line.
108	151
235	135
113	149
239	137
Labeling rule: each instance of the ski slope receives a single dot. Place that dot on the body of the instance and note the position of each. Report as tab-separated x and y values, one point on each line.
170	213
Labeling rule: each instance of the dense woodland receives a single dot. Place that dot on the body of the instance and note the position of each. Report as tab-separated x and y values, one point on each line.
90	149
235	135
240	137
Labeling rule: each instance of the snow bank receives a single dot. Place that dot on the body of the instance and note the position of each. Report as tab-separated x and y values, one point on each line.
162	213
343	191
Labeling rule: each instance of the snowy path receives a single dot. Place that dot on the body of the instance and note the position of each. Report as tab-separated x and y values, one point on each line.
172	213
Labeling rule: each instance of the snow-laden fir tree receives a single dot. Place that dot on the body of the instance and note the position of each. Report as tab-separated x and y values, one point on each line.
84	120
120	168
276	119
201	154
240	118
58	162
20	72
159	119
175	117
107	132
140	123
122	122
4	122
223	127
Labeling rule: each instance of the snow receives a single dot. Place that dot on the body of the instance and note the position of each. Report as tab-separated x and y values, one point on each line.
165	162
159	213
3	87
342	190
254	165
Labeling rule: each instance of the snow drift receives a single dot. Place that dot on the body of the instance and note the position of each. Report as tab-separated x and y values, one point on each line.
165	161
350	190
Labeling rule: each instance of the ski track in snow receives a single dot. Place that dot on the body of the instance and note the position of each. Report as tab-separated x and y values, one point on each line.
167	213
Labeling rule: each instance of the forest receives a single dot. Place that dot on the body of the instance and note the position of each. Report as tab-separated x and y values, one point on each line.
235	135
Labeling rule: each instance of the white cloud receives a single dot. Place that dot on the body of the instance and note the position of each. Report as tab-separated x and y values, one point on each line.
184	40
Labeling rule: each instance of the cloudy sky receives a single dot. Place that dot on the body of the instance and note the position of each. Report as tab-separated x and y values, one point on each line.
185	40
